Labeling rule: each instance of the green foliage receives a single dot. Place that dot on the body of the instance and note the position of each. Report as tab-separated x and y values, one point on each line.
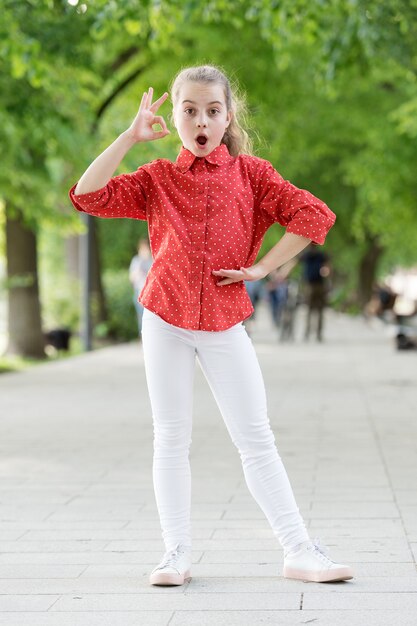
60	292
61	303
331	86
121	324
118	241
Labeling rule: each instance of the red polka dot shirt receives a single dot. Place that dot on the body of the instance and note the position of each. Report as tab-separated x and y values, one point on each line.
204	214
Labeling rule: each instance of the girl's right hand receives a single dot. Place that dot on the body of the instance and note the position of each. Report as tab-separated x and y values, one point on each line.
141	127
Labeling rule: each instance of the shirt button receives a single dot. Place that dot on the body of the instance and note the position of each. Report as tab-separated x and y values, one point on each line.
200	191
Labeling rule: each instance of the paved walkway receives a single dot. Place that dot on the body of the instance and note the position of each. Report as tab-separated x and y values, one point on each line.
79	526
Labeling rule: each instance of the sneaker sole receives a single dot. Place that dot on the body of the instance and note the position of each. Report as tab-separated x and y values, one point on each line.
169	579
342	573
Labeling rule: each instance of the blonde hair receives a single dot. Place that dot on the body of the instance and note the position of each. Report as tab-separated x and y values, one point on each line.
235	137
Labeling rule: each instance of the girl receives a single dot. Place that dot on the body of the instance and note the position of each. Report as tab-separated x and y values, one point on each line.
207	213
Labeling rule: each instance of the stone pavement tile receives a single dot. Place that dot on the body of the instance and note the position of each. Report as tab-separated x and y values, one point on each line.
353	509
29	497
128	584
376	601
84	585
380	494
51	546
237	618
151	535
89	534
108	485
176	601
341	447
406	496
23	602
46	525
409	509
333	478
241	556
371	549
205	523
242	533
88	618
347	532
140	585
249	514
83	558
25	514
102	510
102	502
37	571
341	549
386	552
294	618
89	515
358	527
11	535
364	570
247	502
404	479
70	488
273	584
199	544
231	570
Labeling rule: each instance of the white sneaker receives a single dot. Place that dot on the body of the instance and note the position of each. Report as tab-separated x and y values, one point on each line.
310	562
175	567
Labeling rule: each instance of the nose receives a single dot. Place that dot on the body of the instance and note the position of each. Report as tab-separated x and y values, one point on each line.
201	121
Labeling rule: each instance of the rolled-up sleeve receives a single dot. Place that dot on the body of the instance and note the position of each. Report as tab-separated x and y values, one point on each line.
296	209
123	196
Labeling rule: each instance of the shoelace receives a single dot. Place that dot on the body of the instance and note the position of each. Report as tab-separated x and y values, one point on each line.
170	558
321	550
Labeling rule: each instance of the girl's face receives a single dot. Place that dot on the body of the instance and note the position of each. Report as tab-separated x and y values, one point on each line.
201	116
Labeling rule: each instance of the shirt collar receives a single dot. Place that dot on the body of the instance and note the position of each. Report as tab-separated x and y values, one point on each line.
219	156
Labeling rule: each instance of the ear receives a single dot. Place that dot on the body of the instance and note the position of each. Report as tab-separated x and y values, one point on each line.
229	118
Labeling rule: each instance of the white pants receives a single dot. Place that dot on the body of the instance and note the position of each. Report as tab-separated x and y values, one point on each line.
230	365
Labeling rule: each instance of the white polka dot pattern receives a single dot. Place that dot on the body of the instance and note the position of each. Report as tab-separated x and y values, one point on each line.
205	214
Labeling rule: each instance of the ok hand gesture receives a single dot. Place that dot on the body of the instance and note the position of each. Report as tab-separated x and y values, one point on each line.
141	127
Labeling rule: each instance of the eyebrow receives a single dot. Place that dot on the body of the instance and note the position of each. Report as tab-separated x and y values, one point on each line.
214	102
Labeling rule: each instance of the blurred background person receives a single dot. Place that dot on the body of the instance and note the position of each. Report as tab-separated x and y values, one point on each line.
277	292
289	310
256	290
316	277
138	270
382	302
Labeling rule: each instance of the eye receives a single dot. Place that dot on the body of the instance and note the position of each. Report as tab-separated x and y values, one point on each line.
188	111
214	111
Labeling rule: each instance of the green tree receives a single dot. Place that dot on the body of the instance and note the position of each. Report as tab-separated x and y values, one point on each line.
331	86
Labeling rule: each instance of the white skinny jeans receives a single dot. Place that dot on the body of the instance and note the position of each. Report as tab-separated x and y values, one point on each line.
230	365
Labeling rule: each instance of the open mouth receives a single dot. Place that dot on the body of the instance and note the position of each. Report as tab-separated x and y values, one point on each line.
201	140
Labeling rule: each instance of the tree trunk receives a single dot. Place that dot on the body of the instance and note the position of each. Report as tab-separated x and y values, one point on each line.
24	311
367	270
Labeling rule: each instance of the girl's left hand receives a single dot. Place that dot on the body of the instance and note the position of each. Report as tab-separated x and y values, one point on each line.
244	273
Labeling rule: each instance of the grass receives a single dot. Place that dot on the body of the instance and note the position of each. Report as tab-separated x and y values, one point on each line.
18	363
15	363
11	363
